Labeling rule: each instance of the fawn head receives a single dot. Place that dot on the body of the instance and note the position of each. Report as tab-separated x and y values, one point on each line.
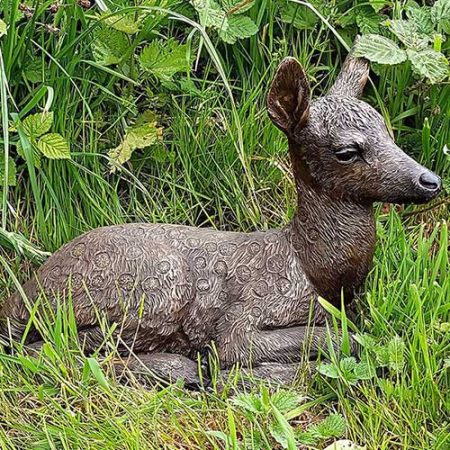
340	144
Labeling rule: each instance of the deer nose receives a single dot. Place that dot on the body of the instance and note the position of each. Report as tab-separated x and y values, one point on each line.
430	181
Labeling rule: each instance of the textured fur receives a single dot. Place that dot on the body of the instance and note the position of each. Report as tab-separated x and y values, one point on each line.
180	288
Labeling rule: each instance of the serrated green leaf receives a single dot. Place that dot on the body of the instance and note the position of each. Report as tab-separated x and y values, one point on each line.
276	431
429	64
3	28
305	438
421	17
329	370
379	49
332	426
210	14
137	137
364	371
237	6
382	355
368	23
396	348
11	177
249	402
239	27
165	59
407	33
36	125
123	22
286	401
54	146
108	45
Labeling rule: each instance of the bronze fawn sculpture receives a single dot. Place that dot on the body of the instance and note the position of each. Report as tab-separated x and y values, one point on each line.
253	294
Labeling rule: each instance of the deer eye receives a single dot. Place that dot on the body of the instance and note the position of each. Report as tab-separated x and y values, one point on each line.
347	154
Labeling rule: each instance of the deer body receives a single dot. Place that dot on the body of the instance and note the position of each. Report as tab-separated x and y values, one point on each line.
172	290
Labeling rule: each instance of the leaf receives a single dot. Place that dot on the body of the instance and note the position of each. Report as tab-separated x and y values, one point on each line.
237	6
440	15
36	71
36	125
137	137
348	364
368	22
396	348
407	33
123	22
331	427
108	45
299	16
285	428
430	64
3	28
210	14
54	146
364	371
276	431
239	27
97	371
165	59
306	438
11	177
249	402
36	154
379	49
377	5
421	17
286	401
329	370
345	444
365	340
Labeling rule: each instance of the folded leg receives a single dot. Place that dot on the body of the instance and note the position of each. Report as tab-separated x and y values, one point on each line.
153	368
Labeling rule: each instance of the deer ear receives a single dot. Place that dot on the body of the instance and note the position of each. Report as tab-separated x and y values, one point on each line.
353	76
289	96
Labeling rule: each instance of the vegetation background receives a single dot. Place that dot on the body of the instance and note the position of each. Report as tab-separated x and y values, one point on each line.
153	110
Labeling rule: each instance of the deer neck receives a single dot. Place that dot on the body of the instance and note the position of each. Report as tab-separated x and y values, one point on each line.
334	240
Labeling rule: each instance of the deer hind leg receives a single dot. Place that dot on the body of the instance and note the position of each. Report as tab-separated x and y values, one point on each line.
154	368
270	373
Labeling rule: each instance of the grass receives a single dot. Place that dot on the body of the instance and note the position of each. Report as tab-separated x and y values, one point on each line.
204	176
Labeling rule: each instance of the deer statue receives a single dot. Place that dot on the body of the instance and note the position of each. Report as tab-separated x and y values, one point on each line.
173	290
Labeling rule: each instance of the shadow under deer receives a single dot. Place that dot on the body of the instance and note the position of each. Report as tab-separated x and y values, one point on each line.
175	289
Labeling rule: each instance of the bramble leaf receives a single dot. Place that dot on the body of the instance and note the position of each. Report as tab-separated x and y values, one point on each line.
108	45
210	14
36	125
379	49
137	137
124	22
239	27
54	146
407	33
165	59
430	64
